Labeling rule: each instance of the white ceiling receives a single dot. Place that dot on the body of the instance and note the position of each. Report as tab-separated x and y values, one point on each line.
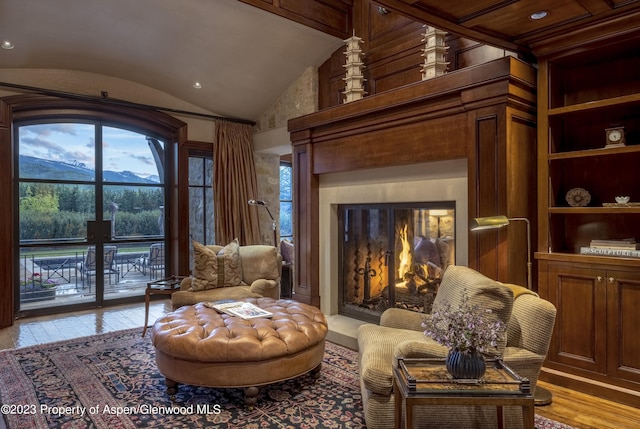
243	57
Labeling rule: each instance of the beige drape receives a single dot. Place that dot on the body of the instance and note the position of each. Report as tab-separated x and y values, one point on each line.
235	184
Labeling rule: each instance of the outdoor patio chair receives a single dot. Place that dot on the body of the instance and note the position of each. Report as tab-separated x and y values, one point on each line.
87	267
155	262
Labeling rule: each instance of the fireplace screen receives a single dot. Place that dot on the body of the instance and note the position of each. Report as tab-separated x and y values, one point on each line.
393	255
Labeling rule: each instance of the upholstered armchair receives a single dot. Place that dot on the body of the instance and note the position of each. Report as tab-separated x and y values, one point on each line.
230	272
529	320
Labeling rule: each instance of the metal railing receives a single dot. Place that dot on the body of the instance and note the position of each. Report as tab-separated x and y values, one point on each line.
40	276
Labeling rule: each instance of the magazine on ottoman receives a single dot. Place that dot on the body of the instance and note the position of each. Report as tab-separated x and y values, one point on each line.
245	310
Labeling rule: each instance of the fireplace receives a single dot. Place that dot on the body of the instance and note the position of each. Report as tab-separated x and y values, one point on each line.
392	255
430	182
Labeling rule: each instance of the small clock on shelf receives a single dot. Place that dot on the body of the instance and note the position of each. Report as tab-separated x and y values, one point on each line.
615	137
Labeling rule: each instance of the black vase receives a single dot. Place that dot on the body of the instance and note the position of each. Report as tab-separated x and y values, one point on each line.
465	365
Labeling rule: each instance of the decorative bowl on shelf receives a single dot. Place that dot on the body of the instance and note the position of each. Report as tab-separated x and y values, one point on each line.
622	199
578	197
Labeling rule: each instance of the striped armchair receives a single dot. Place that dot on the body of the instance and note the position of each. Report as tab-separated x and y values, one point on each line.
529	319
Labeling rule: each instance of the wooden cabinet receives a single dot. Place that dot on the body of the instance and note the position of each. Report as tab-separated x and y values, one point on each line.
580	335
595	336
581	94
623	320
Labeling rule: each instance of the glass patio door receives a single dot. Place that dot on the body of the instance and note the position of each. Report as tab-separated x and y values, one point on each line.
91	214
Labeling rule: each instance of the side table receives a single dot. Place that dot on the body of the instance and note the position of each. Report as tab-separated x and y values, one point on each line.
426	382
165	286
286	281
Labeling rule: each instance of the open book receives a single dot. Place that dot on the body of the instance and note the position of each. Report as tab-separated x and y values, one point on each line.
245	310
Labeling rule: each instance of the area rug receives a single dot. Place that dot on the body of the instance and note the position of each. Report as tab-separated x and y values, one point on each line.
111	381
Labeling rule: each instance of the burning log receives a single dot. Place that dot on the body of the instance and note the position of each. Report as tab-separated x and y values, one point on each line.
423	277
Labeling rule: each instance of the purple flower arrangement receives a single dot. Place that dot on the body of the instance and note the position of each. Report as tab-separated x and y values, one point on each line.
468	328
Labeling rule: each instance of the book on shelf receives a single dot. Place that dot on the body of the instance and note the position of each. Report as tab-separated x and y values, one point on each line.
627	243
626	253
245	310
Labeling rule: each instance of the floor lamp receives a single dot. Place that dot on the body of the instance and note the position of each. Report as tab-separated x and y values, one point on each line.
273	221
542	396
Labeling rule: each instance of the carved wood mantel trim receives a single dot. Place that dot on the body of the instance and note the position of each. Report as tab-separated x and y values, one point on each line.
433	120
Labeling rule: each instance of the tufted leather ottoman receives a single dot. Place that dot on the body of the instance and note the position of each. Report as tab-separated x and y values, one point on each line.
198	346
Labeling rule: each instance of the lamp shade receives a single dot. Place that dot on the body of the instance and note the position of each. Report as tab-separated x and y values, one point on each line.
490	222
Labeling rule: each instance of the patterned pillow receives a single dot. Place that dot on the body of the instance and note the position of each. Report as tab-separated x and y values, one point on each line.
213	270
286	250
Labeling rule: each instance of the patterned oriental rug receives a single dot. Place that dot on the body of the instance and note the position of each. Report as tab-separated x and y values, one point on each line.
111	381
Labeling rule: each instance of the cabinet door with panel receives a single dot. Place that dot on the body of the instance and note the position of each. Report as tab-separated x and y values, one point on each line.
623	309
580	296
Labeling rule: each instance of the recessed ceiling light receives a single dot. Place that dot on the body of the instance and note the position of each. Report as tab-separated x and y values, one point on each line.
6	44
197	85
539	14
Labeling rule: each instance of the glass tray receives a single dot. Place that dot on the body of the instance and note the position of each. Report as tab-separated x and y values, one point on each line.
431	375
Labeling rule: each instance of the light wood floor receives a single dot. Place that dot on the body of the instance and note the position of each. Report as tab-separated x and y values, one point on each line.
587	412
568	406
45	329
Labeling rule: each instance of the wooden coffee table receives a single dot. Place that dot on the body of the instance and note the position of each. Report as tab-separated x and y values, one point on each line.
426	382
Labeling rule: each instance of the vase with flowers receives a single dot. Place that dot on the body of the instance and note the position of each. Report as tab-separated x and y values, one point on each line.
469	332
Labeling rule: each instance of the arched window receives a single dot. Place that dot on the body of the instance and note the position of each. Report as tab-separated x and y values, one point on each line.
92	199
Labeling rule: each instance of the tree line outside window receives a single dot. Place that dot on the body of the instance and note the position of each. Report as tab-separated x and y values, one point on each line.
286	201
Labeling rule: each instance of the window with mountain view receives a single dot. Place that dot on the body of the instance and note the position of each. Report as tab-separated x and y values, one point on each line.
72	175
58	180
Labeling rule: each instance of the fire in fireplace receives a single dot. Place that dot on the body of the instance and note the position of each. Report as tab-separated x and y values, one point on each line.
393	255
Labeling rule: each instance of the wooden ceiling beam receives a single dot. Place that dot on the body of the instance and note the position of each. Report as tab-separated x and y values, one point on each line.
596	7
426	17
620	26
333	17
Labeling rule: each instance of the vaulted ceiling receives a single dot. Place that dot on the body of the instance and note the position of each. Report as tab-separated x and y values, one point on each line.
245	56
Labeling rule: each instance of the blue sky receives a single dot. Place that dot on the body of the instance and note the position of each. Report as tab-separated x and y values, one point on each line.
123	150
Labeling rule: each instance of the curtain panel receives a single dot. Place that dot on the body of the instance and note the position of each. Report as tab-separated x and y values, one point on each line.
235	183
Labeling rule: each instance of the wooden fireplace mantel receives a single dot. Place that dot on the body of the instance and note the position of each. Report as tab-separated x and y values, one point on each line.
484	113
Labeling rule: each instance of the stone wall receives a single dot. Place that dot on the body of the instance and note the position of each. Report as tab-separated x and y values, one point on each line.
300	99
268	173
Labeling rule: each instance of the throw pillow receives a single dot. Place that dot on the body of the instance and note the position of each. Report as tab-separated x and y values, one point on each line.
286	250
481	291
213	270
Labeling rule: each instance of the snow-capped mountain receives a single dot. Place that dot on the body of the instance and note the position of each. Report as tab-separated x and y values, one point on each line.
38	168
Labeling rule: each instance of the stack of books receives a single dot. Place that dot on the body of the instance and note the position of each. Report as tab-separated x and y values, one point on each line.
626	247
